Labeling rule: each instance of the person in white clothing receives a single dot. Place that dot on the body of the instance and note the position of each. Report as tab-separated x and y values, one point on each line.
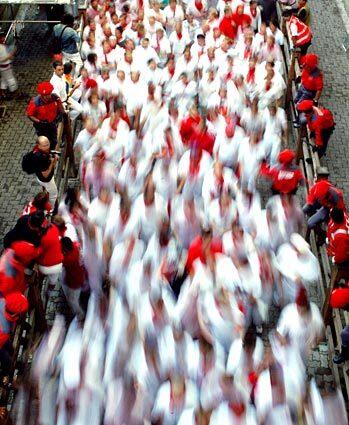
60	89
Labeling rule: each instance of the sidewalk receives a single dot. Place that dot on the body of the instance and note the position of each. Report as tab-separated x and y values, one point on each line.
329	33
17	136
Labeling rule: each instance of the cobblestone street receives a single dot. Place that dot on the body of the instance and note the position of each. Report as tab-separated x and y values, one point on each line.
32	65
16	132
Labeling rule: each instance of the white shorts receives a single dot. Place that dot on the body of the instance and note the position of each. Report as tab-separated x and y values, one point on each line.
8	79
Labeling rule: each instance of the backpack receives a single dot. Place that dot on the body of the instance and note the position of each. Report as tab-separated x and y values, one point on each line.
33	162
56	43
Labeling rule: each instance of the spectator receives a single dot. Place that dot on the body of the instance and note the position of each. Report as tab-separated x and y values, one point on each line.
300	32
320	123
338	237
63	90
51	257
45	168
45	110
11	308
312	81
7	78
28	228
70	40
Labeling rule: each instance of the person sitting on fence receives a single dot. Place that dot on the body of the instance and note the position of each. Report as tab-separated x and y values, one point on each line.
338	237
286	177
312	81
300	31
322	197
320	123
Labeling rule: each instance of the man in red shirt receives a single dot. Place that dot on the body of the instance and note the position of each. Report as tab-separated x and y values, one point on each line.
44	110
322	197
338	237
285	177
12	264
320	122
312	80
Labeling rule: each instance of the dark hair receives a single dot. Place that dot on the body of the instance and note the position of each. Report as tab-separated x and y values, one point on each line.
58	221
92	57
56	63
337	215
37	218
68	67
67	19
67	243
40	200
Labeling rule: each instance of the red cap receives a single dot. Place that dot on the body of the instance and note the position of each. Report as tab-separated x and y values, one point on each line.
305	105
45	87
310	60
286	156
91	83
16	303
339	298
321	188
25	252
302	297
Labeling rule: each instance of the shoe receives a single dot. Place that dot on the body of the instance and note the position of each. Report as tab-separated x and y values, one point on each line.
343	356
296	124
309	161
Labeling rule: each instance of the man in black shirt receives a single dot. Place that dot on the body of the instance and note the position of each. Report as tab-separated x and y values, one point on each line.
46	168
29	228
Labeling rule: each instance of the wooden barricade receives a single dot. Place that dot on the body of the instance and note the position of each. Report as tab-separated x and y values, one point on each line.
309	161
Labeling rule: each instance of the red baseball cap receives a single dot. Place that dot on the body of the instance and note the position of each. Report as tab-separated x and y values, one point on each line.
45	87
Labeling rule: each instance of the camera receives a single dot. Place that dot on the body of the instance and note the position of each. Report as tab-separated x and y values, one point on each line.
56	153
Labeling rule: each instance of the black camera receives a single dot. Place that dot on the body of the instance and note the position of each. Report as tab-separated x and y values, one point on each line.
56	153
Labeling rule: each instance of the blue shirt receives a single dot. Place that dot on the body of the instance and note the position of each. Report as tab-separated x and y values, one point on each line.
70	38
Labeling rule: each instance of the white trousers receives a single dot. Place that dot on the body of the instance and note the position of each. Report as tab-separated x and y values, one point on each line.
73	296
8	79
51	189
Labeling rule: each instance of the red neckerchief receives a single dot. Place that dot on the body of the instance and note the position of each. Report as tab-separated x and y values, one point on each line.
180	35
251	75
199	5
247	52
253	12
267	85
238	407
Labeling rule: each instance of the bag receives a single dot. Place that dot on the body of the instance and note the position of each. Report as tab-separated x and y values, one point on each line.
56	43
34	162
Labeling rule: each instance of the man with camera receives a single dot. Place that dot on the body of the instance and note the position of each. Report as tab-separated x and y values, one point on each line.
45	162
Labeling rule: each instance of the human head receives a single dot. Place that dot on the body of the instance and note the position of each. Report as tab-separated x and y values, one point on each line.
40	200
68	68
68	19
45	89
337	215
58	68
43	144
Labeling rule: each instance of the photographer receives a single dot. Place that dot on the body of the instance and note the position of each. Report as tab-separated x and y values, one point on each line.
46	161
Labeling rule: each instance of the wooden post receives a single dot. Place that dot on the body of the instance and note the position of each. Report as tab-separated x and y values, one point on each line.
299	147
68	135
290	78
